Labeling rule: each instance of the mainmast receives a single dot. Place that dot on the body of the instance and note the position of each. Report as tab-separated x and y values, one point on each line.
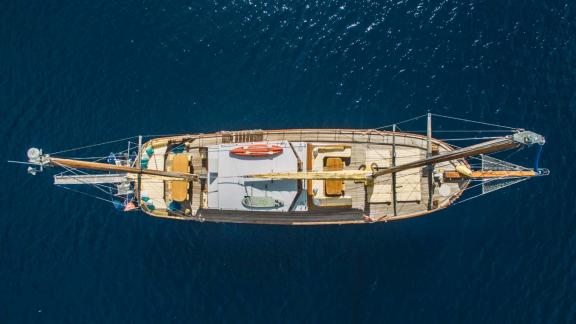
430	167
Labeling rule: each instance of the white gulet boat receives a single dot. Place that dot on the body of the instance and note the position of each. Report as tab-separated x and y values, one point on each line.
296	176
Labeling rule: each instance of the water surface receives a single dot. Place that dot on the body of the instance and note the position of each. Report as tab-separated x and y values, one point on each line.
78	72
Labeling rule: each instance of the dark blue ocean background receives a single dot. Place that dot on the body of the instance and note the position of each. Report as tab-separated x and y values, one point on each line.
82	72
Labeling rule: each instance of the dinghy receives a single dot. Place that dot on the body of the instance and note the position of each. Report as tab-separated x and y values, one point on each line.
257	150
261	202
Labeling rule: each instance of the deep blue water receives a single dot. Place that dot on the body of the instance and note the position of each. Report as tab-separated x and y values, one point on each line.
82	72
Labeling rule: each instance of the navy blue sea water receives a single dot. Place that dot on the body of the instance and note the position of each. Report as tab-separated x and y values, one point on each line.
82	72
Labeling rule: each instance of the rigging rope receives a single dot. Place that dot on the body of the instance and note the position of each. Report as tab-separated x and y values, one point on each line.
475	122
470	138
402	122
93	145
464	131
484	193
498	163
88	158
98	159
537	160
164	135
76	171
86	194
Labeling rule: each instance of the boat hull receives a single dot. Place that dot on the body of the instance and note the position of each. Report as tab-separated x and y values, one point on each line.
358	148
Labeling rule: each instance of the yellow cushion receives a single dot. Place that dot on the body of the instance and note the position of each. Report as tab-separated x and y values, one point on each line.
334	187
180	163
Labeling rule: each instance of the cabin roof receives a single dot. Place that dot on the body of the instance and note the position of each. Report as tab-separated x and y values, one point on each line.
227	184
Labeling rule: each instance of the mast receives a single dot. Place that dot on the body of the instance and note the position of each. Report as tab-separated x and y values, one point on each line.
430	167
139	165
118	168
394	164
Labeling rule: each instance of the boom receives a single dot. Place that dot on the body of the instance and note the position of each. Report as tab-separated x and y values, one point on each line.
120	168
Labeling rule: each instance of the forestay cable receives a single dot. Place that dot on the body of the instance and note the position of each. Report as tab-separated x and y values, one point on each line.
93	145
